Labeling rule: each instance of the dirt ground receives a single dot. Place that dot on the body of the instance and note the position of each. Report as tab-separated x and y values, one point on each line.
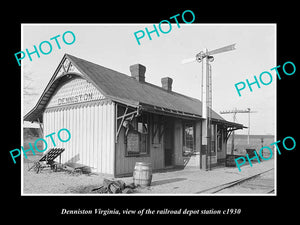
189	180
61	182
261	184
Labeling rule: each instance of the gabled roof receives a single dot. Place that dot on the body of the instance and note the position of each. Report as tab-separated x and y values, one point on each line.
123	89
119	86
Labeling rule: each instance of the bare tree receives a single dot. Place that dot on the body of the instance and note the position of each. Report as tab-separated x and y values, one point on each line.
30	92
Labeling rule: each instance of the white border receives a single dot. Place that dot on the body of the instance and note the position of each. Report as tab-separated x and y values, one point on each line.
157	194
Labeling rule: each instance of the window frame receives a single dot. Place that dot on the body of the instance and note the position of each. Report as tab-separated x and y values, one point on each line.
219	140
213	140
144	119
191	124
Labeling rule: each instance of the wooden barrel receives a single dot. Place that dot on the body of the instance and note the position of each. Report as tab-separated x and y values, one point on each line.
142	174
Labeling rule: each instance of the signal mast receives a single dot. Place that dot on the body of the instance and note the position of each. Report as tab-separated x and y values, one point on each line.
205	57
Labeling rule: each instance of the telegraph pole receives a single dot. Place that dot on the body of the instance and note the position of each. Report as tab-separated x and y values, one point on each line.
234	112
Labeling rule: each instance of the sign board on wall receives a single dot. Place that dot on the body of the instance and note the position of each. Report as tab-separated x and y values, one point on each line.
133	142
77	90
75	99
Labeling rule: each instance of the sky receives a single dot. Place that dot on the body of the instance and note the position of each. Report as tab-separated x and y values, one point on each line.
114	46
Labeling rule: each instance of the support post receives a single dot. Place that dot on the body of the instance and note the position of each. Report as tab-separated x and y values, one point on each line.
205	162
249	127
232	136
41	128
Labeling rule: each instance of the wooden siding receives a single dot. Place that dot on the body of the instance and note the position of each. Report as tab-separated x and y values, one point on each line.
222	154
125	164
92	134
91	124
178	142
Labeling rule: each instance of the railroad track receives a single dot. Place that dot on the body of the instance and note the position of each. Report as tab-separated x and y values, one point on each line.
254	183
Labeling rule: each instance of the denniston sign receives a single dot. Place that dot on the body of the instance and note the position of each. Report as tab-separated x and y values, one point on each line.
75	99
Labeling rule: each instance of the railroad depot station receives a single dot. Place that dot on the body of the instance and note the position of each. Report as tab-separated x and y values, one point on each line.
116	120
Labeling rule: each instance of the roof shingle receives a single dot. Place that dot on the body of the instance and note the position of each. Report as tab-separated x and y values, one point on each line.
124	88
116	84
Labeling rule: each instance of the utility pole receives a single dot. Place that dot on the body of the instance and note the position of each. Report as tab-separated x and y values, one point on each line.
205	57
234	112
262	145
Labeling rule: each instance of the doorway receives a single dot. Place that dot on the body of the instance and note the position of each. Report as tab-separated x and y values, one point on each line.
168	143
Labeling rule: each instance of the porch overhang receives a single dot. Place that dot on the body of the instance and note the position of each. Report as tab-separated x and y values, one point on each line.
169	112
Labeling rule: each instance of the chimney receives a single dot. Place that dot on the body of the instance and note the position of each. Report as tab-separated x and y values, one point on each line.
138	72
166	83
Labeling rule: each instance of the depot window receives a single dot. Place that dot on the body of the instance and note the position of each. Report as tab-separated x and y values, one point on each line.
213	139
137	141
188	139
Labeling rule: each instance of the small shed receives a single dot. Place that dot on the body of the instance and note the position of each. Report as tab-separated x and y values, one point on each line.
116	120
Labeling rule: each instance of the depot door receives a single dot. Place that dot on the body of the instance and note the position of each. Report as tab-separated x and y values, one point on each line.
168	144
